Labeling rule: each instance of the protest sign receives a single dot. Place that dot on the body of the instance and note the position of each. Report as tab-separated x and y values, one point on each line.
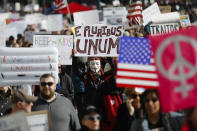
165	9
176	60
14	122
19	25
2	34
156	29
33	18
97	40
165	18
185	21
54	22
150	11
26	65
64	44
29	35
10	31
115	16
86	17
39	121
4	16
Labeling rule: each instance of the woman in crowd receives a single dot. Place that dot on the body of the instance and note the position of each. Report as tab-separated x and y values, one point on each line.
130	110
153	118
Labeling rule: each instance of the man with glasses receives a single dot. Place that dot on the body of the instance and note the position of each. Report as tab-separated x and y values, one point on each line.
22	101
90	119
62	112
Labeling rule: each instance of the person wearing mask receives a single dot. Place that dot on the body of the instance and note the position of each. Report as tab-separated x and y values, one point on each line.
62	112
90	119
22	101
154	118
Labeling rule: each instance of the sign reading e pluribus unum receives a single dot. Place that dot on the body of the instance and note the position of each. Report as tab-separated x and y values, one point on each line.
97	40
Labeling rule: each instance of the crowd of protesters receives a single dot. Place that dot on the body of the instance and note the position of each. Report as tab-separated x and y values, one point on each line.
86	97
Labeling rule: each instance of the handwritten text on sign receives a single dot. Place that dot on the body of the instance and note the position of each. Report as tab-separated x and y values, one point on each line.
63	43
97	40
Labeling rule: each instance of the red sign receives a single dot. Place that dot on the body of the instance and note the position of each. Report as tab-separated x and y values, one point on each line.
176	60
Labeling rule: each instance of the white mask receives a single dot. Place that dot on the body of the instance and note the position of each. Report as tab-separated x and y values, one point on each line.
95	65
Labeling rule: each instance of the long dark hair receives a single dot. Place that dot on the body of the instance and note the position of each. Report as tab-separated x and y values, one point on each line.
149	91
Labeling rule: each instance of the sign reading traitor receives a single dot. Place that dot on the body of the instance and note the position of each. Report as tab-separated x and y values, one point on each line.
156	29
97	40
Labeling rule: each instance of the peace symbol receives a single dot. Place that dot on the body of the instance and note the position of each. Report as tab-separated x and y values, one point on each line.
179	63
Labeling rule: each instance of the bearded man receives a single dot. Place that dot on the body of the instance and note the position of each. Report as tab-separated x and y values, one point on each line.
61	110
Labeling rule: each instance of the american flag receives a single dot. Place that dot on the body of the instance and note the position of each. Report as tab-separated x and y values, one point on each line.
135	13
136	68
60	4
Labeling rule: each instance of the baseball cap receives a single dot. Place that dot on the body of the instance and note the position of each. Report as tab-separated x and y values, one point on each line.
89	109
21	95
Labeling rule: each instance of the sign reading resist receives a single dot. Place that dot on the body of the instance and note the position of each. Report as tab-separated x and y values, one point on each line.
26	65
97	40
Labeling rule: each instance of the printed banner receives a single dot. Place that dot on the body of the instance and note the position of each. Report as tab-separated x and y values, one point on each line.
64	44
97	40
26	65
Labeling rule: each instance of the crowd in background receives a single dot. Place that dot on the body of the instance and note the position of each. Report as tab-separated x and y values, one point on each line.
86	97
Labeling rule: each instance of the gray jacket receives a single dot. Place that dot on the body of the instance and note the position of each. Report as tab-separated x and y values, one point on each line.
62	113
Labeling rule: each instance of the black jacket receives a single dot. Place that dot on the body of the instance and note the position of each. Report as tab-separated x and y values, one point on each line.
5	103
124	119
67	87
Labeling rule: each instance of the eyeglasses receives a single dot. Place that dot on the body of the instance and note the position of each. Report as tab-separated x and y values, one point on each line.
153	100
134	96
46	83
92	118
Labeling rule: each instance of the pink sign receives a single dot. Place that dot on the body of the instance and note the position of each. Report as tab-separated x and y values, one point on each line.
176	61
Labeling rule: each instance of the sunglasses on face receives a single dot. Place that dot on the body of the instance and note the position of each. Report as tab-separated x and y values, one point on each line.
134	96
46	83
153	100
92	118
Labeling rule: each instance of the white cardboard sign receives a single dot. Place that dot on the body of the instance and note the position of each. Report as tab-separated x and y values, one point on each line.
54	22
156	29
26	65
150	11
115	16
39	121
64	44
86	17
2	34
97	40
